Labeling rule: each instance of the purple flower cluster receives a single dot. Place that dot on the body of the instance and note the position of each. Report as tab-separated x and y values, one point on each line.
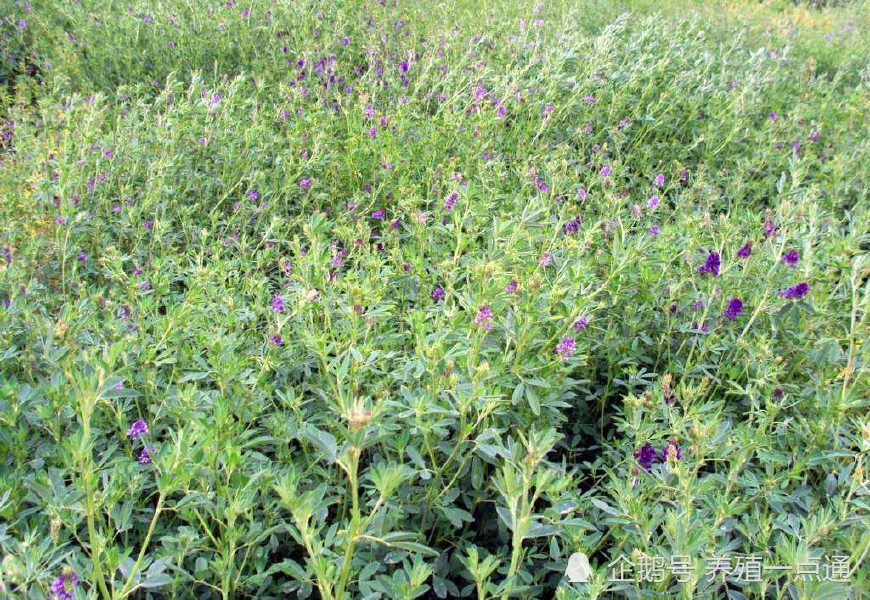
278	303
648	454
146	453
711	264
733	310
566	348
791	258
137	429
795	292
450	201
581	322
484	317
64	585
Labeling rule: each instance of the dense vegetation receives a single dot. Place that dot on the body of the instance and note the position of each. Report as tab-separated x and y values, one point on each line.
400	299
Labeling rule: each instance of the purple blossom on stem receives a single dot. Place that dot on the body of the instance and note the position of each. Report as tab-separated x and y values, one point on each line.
769	228
63	587
733	310
581	322
450	201
546	258
795	292
653	202
711	265
572	226
146	454
672	451
791	258
745	251
605	171
137	429
438	294
305	183
511	287
278	303
565	348
484	317
646	456
659	180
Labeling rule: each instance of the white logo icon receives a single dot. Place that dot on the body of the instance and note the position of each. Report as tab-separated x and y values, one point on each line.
578	570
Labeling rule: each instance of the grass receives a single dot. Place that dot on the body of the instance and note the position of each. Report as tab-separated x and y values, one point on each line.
398	300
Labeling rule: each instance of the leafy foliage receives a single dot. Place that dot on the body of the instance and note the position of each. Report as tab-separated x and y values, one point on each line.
418	300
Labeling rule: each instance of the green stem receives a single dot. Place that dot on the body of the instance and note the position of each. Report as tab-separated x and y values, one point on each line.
125	590
353	528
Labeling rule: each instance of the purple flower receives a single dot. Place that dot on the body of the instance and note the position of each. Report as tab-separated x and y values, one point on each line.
659	180
373	132
654	230
605	171
581	193
215	99
511	287
60	220
450	201
137	429
795	292
438	294
146	453
653	202
379	214
278	303
22	23
572	226
63	586
276	340
542	185
791	258
345	41
581	322
548	109
769	228
253	194
305	183
774	116
565	348
546	258
733	310
646	456
484	317
711	265
672	451
745	251
82	257
589	99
